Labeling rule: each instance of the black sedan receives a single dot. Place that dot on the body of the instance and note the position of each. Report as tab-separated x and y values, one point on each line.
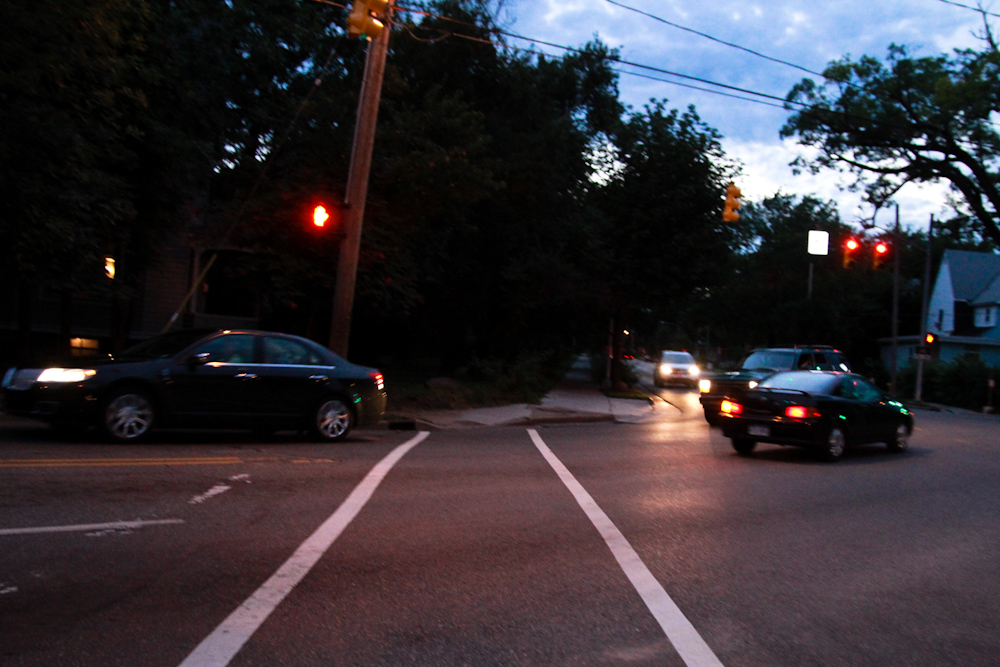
823	410
257	380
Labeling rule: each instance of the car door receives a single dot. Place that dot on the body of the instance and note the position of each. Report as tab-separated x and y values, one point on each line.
216	382
293	377
855	392
881	416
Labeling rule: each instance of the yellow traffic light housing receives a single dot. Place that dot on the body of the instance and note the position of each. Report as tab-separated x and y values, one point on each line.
881	252
362	22
733	195
851	246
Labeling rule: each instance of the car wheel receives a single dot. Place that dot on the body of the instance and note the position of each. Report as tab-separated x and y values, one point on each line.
332	421
836	441
901	440
744	446
128	416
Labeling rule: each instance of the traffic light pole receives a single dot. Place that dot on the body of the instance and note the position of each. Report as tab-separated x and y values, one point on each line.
925	306
357	192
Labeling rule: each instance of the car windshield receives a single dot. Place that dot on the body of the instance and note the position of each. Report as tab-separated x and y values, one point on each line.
813	383
163	346
677	358
770	359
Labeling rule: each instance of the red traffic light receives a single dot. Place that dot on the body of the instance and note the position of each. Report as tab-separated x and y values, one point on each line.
320	215
930	338
852	244
881	247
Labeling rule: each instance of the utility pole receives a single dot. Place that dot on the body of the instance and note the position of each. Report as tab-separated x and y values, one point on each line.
896	252
357	191
925	306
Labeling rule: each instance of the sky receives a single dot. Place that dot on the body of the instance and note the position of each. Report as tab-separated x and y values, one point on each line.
807	34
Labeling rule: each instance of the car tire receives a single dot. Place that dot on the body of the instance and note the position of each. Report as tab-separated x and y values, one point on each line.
836	442
711	417
332	420
901	440
128	416
744	446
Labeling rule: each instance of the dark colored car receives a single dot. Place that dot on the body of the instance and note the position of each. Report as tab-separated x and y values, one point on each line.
822	410
255	380
676	367
761	364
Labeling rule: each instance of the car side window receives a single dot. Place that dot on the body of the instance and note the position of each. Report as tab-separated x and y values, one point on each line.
859	390
822	363
805	362
289	353
229	349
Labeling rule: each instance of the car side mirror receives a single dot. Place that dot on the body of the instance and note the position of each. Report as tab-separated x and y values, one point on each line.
200	359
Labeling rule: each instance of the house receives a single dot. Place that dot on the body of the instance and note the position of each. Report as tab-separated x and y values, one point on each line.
964	308
165	298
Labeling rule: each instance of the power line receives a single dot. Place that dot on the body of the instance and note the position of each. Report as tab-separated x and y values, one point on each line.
975	9
713	38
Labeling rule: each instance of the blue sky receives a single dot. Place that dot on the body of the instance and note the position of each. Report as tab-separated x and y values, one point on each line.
809	35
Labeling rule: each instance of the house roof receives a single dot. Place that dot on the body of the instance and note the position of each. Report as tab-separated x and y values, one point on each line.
975	276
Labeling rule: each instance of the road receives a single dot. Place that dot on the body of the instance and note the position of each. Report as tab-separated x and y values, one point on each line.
469	547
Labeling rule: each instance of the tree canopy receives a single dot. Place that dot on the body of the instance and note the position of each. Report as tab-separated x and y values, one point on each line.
909	120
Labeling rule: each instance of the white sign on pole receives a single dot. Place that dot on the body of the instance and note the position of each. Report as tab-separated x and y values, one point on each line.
819	242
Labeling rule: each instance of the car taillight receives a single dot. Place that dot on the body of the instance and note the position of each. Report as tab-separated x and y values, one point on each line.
800	412
731	408
379	381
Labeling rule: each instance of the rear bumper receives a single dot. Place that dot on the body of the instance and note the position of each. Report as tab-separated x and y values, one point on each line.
799	433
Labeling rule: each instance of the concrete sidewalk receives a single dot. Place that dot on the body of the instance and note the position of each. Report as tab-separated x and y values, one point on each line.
576	398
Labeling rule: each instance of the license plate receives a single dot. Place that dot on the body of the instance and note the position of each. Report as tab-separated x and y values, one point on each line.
759	431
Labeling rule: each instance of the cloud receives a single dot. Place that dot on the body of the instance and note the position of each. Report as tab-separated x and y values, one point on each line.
766	172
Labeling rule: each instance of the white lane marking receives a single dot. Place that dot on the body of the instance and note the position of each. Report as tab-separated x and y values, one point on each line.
224	643
219	488
686	640
214	491
116	525
6	588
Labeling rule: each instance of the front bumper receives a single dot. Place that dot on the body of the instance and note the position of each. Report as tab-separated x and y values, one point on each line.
67	404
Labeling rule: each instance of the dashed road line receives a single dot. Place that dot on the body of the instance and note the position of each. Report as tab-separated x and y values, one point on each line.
689	644
87	527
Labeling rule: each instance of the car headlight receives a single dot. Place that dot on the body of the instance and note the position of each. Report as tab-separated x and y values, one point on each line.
66	374
665	369
752	384
705	386
694	371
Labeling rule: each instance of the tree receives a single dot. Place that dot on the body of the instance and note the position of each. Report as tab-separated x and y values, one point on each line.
908	120
662	238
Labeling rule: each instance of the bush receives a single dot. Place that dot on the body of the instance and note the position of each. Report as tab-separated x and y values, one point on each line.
963	383
599	369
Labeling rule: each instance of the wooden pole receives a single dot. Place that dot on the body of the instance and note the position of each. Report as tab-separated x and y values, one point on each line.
357	192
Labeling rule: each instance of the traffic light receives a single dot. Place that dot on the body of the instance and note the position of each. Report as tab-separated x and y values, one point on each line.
733	195
851	246
320	215
362	21
930	339
879	254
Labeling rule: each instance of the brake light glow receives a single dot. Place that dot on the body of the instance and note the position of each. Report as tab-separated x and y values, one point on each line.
731	408
800	412
379	381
